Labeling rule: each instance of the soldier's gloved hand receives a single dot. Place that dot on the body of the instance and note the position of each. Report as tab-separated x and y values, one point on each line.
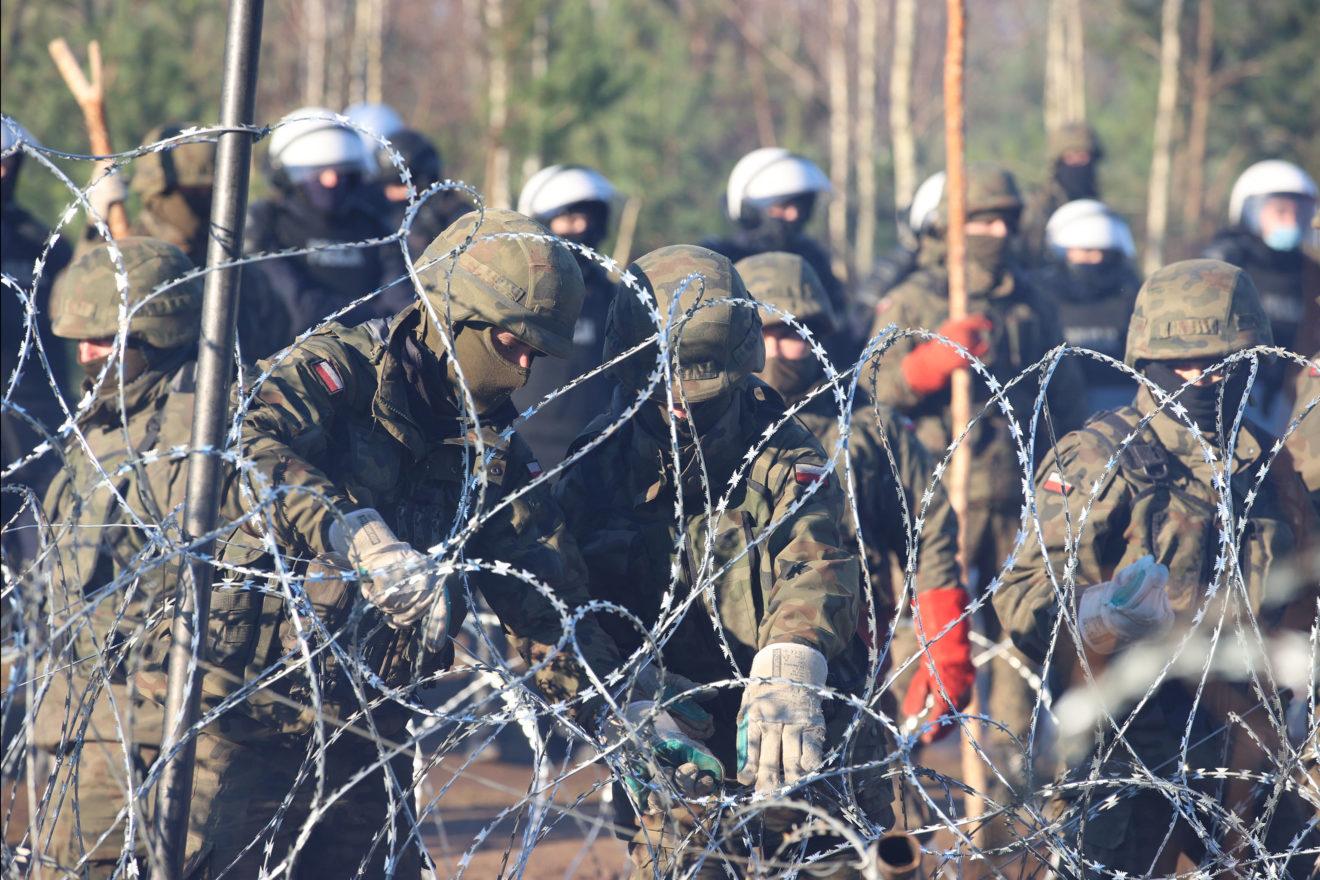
950	654
691	766
397	579
1134	605
927	367
106	191
781	724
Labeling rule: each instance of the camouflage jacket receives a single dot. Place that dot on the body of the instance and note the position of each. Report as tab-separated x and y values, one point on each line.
115	508
1025	327
1304	442
1158	499
345	422
796	582
891	473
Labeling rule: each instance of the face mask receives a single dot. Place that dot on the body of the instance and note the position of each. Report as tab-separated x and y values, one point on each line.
490	377
1078	181
1203	402
1284	238
986	257
790	378
324	199
1091	282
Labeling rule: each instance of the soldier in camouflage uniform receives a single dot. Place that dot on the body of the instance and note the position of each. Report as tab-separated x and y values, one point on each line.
1010	325
114	513
1159	500
175	187
891	473
1076	153
366	433
779	589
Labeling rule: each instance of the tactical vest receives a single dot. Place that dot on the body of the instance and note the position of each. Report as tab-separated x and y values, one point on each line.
97	541
252	628
1172	515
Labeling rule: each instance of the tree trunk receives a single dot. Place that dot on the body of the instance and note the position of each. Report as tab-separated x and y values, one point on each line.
497	96
357	54
900	103
1166	109
376	54
1076	57
837	67
868	30
1194	192
314	15
1055	68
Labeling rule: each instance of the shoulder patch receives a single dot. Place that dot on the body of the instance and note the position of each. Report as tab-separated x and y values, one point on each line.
806	474
534	468
328	375
1057	484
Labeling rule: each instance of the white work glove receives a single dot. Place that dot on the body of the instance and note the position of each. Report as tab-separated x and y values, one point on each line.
397	579
1134	605
781	725
694	770
106	191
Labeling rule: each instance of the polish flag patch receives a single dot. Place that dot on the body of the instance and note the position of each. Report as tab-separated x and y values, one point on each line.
534	468
328	376
1056	484
806	474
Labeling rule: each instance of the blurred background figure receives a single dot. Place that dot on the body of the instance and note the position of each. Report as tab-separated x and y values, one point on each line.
317	168
175	187
577	204
1090	272
1269	210
23	240
771	197
1075	155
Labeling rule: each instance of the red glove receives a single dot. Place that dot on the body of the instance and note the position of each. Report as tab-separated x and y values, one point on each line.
951	655
927	367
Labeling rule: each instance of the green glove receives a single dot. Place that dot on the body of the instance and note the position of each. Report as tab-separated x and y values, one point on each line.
695	771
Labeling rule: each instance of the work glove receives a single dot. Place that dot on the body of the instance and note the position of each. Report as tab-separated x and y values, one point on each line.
396	579
1134	605
107	190
693	769
928	367
950	656
781	725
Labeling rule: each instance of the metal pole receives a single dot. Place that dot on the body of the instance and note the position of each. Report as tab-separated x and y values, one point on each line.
214	367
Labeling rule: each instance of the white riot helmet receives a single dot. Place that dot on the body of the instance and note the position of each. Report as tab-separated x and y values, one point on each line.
549	191
309	137
14	134
769	175
378	119
926	203
1271	177
1088	224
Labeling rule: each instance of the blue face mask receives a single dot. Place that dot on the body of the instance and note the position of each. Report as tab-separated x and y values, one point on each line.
1284	238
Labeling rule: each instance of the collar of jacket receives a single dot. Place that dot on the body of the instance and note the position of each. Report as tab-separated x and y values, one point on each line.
138	392
1176	437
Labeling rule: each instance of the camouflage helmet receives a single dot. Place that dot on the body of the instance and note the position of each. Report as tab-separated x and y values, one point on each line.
788	282
718	346
990	188
85	302
1076	136
1196	309
190	164
507	277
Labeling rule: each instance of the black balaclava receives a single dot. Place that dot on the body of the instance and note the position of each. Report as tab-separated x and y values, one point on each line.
598	217
773	233
1092	282
1077	181
1203	401
327	201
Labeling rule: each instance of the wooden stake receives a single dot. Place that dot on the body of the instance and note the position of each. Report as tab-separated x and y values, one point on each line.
91	99
955	187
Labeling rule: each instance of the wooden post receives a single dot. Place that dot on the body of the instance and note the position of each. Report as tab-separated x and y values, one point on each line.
1166	109
955	187
91	99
